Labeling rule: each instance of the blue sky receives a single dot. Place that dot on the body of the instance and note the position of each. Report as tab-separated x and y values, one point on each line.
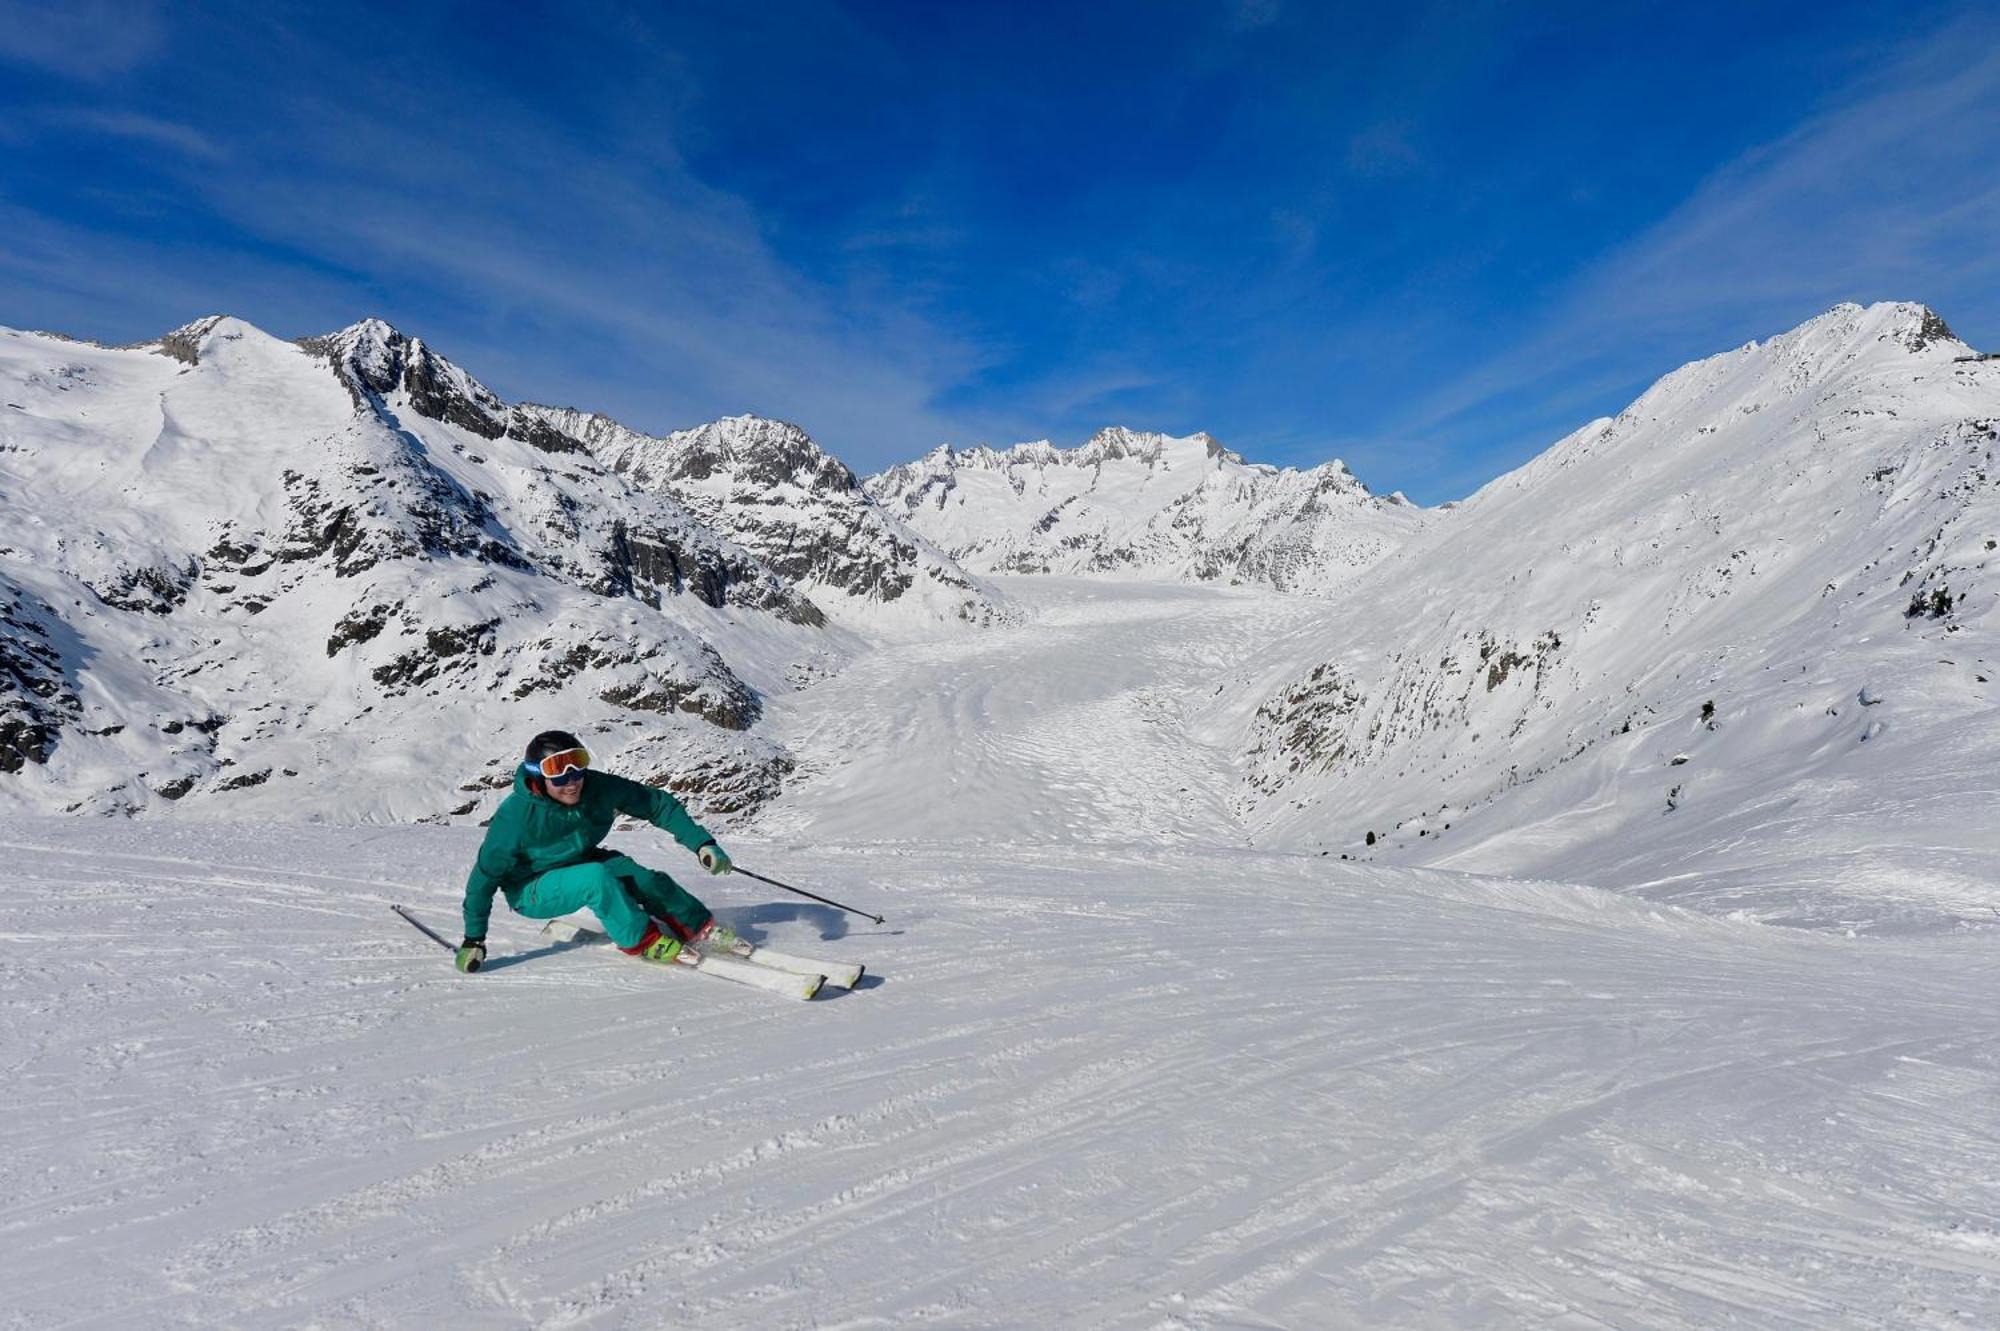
1429	241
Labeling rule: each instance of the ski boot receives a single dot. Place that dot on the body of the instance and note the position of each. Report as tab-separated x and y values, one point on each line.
718	940
661	949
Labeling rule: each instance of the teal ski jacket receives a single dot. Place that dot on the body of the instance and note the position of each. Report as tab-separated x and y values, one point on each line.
531	834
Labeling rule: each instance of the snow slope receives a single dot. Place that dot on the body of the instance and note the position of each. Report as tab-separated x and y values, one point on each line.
1149	505
1114	1068
1758	606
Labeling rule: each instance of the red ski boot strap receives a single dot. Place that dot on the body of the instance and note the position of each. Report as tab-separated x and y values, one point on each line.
652	937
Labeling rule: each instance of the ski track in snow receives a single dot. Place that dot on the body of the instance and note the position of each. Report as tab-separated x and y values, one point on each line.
1108	1071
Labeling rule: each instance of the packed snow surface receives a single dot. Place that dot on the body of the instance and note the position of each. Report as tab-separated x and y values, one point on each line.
1112	1067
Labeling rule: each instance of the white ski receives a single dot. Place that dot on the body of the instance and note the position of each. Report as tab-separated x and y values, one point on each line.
839	974
796	979
757	977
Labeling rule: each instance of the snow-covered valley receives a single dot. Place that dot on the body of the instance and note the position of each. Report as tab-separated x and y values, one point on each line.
1631	1011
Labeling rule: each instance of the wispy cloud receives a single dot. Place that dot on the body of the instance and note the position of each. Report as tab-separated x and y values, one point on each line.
80	39
1891	192
140	128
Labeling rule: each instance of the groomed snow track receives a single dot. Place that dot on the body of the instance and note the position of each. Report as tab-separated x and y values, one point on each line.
1116	1089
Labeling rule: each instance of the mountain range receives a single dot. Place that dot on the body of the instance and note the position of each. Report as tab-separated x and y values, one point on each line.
339	577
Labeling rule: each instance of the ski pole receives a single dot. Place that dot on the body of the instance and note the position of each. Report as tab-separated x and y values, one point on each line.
802	892
425	927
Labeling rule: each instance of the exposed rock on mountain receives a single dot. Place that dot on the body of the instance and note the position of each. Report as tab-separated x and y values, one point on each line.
1147	504
767	485
36	697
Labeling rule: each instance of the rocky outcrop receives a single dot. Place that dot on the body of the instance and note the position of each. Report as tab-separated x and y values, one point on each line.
37	696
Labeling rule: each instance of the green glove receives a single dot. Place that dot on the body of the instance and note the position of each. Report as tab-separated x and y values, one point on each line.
471	954
714	858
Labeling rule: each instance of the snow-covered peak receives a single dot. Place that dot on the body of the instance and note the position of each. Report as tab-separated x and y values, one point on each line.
1150	504
373	357
768	485
767	452
1914	327
1115	442
185	343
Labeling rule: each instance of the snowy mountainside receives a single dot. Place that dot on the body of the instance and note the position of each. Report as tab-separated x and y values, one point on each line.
1762	595
768	486
1150	505
235	568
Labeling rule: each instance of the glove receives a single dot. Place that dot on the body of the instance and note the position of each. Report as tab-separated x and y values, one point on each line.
471	954
714	858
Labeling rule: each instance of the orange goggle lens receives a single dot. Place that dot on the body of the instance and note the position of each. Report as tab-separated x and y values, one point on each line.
569	760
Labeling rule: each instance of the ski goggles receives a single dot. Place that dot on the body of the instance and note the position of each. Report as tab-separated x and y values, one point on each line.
559	769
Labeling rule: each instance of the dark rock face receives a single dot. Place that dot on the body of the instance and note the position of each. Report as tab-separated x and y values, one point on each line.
643	564
726	784
374	360
636	555
538	433
1304	727
1925	329
37	698
151	590
184	343
359	625
434	652
641	677
456	400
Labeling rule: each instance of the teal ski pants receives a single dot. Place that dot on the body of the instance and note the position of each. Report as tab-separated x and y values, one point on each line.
624	894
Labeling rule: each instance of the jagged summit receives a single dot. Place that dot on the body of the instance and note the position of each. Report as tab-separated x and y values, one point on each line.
1113	443
768	485
755	448
1146	503
373	357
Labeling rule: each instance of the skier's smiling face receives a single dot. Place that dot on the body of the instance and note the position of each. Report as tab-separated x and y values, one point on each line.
567	788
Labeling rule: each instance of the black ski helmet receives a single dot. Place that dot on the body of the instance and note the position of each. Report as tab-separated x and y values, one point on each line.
548	742
540	747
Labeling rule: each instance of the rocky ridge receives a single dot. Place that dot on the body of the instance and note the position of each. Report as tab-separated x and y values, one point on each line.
1144	504
768	486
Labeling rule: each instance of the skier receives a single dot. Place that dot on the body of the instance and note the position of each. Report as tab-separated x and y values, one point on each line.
541	851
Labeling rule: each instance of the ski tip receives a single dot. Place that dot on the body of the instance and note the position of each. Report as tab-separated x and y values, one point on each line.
818	983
